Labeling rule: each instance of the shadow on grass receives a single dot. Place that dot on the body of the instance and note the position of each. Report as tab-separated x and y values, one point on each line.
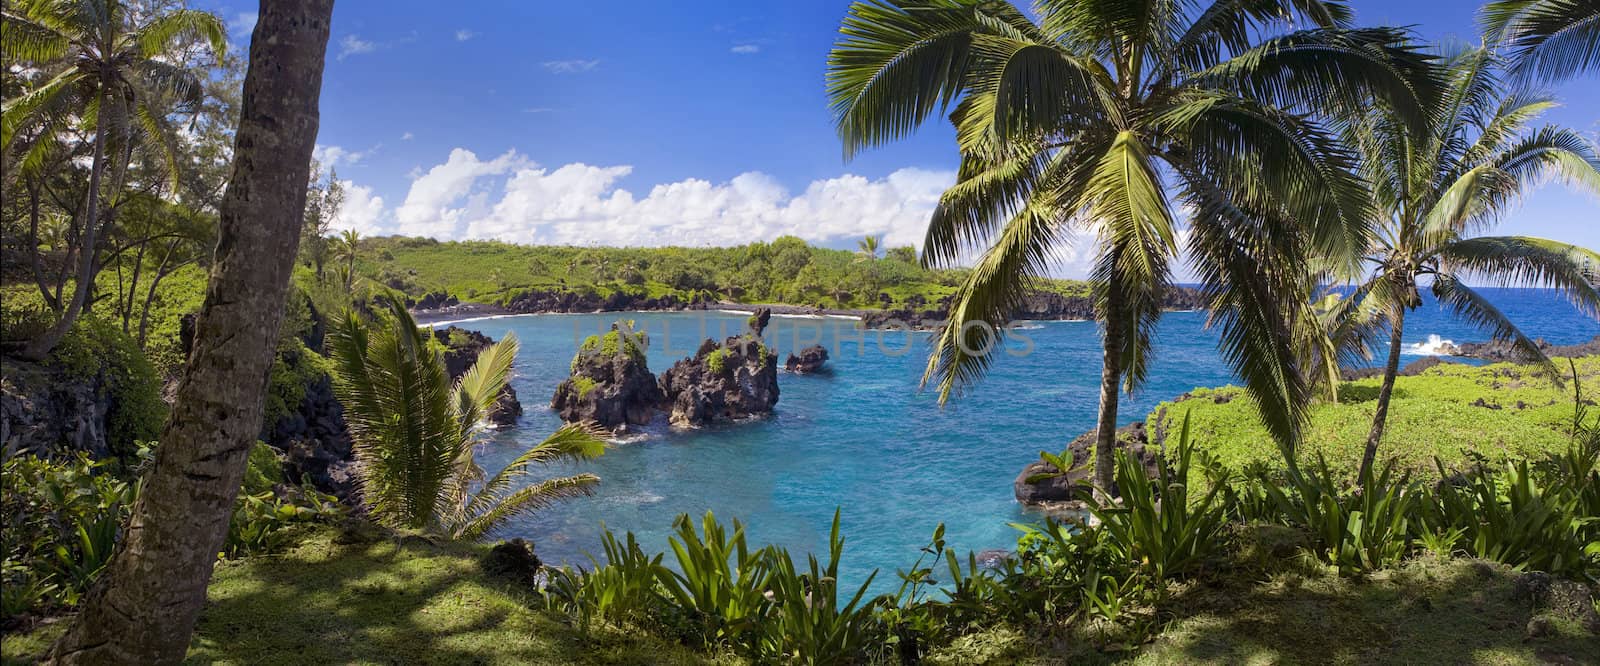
1427	611
323	602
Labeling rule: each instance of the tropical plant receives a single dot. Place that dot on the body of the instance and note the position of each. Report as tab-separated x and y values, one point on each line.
1432	195
415	431
1160	526
622	588
346	247
1076	122
1554	39
110	71
1354	531
719	583
867	248
812	623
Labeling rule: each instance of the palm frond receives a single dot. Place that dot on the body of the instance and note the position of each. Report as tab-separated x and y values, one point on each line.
574	442
29	40
1471	306
155	37
1527	261
1554	39
527	499
480	386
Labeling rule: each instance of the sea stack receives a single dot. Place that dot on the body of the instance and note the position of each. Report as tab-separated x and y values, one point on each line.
723	382
611	384
808	361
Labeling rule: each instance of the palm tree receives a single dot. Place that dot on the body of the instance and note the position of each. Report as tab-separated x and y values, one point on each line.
1433	194
1554	39
109	71
144	608
415	432
867	248
1079	121
346	247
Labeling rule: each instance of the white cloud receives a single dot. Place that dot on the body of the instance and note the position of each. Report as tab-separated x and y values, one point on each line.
465	34
570	66
407	136
746	48
354	45
361	211
537	109
510	198
333	156
243	23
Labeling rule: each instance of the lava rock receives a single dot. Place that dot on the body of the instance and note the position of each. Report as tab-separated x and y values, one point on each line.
611	384
513	560
723	382
809	360
1066	487
462	347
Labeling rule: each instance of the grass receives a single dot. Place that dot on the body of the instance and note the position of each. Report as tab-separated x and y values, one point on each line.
1428	611
386	601
1451	411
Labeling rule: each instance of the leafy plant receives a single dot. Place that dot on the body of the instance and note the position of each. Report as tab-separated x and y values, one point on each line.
1160	528
415	432
1060	465
811	623
624	587
1354	531
718	582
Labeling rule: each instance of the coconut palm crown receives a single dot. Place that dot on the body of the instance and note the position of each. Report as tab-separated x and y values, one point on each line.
415	431
1552	39
1100	119
1433	196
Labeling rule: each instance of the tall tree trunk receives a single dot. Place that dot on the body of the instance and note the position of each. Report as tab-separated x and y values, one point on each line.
1105	431
40	347
145	605
1390	369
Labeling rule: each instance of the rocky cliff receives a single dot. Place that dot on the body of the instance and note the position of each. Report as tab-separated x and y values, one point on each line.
611	384
462	347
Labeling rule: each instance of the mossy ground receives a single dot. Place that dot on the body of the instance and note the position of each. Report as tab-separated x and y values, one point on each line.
1452	411
387	601
1427	611
408	601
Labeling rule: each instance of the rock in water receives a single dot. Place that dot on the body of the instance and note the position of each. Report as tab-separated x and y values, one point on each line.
808	361
1063	488
461	351
611	383
733	380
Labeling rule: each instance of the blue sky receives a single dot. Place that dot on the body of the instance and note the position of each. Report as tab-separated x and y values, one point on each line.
646	123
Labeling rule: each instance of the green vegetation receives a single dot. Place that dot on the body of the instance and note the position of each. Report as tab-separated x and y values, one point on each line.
415	431
717	359
1454	412
786	270
1432	197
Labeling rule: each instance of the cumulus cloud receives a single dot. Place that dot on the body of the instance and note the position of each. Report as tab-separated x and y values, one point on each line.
465	34
362	210
355	45
746	48
407	136
513	199
570	66
333	156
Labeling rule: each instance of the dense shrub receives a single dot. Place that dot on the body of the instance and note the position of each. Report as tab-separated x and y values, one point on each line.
97	352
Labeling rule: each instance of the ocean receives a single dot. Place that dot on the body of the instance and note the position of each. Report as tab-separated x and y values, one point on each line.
864	439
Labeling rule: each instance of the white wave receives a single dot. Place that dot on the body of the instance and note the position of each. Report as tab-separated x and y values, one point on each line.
449	322
1435	346
1025	327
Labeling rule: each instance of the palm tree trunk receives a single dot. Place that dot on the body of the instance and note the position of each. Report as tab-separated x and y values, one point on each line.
144	607
1390	369
41	346
1105	431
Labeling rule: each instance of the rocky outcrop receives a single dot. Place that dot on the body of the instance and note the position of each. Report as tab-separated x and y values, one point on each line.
611	384
808	361
1497	350
1411	369
315	442
1064	489
433	301
462	347
723	382
541	301
1038	305
45	413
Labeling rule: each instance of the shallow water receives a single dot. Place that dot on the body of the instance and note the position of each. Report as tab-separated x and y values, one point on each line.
863	438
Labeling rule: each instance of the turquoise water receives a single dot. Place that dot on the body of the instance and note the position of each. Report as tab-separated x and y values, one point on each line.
863	438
